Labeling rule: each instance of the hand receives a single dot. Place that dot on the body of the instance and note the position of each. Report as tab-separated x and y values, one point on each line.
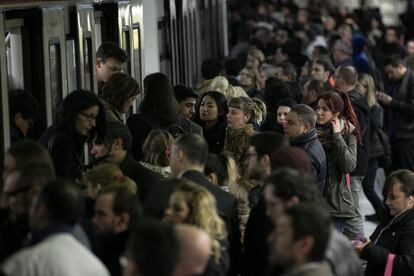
383	98
336	126
360	245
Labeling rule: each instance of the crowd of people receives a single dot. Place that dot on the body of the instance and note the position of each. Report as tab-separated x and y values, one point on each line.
255	171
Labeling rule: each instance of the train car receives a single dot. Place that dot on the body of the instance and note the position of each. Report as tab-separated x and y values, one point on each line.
49	46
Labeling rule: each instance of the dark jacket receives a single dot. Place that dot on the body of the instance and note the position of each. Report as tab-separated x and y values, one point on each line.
402	107
66	150
310	144
215	137
110	249
362	111
341	158
396	237
143	177
157	201
375	146
140	127
256	248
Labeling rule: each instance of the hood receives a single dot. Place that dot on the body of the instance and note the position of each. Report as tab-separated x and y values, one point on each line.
358	44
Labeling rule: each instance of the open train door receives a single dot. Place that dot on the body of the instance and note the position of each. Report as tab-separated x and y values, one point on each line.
4	99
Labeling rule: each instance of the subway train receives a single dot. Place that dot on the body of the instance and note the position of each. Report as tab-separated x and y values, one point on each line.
49	46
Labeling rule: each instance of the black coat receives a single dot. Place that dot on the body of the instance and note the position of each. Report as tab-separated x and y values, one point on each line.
375	148
362	111
396	237
140	126
310	144
215	137
143	177
66	150
157	201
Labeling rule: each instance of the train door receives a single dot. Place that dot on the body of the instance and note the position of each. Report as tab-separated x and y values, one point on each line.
172	40
106	22
54	58
137	45
163	41
86	47
4	100
207	44
223	47
194	26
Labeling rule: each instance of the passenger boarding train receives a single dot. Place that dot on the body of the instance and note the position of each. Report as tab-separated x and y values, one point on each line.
49	46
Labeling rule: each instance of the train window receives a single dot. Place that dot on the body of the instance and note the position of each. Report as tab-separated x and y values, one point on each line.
137	44
55	75
126	37
162	43
14	53
88	62
71	64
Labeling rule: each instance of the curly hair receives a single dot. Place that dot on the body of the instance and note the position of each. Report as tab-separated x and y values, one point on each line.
204	213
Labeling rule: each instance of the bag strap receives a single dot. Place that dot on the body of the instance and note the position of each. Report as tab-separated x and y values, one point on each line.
389	265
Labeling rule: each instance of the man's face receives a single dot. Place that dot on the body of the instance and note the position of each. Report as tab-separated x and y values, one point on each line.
99	150
104	219
391	36
280	75
187	107
294	127
393	72
318	72
282	245
17	199
309	96
104	70
410	47
255	169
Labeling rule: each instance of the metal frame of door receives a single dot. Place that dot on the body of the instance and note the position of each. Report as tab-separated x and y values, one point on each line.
5	135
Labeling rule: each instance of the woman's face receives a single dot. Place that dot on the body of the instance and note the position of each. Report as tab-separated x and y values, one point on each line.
128	103
282	112
323	113
86	120
236	118
397	201
178	210
252	62
208	109
92	190
246	78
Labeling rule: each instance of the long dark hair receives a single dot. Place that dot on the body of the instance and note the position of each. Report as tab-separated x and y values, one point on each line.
159	101
222	107
118	89
339	102
76	102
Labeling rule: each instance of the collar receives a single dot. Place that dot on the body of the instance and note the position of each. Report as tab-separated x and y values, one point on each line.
39	236
304	138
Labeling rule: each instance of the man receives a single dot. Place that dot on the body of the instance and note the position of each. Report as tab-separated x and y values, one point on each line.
54	250
399	107
189	154
342	53
258	226
109	60
195	250
299	241
346	79
301	132
116	213
288	187
285	71
312	90
153	249
116	149
187	99
322	70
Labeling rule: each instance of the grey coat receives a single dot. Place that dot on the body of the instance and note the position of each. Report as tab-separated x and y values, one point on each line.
341	158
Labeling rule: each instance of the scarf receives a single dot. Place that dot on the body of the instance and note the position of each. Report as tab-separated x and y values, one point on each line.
325	132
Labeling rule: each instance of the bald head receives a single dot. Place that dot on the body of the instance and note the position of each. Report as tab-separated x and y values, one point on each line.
195	250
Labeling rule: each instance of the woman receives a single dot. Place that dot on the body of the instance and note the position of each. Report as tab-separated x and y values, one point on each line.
193	204
367	88
240	129
222	171
211	116
395	237
81	117
338	131
156	150
118	94
282	111
159	110
255	57
250	81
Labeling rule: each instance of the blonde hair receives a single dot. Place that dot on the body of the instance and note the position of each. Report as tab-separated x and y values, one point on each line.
155	146
109	174
257	54
256	77
260	111
245	104
204	213
368	82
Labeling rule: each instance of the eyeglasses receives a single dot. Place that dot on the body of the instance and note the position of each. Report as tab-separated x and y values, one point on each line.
88	117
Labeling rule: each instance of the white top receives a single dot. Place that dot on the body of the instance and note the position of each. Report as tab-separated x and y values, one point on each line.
58	255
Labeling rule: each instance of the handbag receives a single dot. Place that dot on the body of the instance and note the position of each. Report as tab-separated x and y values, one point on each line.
389	265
